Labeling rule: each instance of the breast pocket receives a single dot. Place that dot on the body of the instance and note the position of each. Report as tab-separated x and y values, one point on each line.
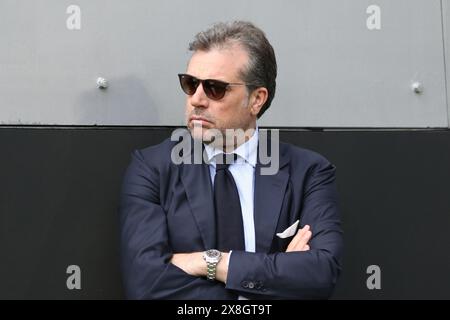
284	237
280	245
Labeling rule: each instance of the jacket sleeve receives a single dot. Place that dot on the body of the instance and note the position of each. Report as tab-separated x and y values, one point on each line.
298	275
145	249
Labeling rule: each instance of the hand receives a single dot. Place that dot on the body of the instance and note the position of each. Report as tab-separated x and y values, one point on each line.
300	241
194	264
191	263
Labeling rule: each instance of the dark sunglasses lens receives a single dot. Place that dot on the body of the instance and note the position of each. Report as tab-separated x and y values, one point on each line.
214	89
188	84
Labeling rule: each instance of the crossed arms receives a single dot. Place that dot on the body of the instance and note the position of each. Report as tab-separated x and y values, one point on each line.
194	264
308	269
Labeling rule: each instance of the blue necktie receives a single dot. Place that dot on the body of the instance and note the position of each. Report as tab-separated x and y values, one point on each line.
229	225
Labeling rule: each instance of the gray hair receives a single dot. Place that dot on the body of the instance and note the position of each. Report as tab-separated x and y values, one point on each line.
261	70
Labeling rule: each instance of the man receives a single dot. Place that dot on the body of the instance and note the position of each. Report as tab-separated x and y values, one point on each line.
278	236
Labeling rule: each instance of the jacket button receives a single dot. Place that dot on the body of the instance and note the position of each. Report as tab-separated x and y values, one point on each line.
251	285
244	284
258	285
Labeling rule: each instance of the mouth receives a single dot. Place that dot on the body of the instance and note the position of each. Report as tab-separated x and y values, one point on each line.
199	120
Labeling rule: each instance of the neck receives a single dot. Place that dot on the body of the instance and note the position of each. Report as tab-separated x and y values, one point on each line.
235	138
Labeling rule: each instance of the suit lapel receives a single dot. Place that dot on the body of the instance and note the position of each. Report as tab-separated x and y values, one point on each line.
269	195
196	179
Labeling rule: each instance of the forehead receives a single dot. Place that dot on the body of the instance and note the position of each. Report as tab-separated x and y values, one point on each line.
221	64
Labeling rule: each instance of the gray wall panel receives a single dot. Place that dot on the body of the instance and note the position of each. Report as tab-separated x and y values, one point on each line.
446	25
333	71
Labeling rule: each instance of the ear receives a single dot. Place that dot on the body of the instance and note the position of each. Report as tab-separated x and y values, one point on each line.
257	99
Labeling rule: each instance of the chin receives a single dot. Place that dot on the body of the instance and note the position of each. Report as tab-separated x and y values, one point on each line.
199	133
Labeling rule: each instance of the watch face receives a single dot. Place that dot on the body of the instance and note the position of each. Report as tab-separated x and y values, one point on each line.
213	253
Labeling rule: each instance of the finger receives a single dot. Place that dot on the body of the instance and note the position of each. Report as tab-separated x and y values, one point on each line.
175	259
306	236
297	237
301	238
303	241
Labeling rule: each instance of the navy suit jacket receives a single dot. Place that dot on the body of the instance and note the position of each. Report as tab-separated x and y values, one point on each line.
167	208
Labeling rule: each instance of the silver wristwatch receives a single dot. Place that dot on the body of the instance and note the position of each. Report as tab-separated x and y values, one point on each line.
212	258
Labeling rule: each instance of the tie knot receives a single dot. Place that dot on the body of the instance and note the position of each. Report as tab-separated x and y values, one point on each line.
224	160
221	166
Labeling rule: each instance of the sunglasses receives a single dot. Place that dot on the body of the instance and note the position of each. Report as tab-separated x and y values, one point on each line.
214	89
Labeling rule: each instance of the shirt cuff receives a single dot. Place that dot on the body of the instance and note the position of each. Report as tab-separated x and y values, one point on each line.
228	263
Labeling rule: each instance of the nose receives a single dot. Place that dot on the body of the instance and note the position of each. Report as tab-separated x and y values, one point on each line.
199	98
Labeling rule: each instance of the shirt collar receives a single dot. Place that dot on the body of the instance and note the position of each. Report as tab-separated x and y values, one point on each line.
246	151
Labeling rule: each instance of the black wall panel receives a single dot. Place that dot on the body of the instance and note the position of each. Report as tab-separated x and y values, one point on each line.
59	195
